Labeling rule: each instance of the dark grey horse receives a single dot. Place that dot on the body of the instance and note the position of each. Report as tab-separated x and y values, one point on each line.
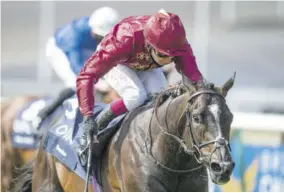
168	147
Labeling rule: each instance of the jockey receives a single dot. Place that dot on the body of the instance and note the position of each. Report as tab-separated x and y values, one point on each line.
70	46
130	59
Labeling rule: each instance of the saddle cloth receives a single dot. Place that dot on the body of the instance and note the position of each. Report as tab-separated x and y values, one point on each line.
65	128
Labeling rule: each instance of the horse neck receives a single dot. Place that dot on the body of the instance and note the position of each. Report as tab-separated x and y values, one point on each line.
172	118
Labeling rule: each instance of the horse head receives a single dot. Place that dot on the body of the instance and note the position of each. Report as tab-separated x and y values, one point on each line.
208	127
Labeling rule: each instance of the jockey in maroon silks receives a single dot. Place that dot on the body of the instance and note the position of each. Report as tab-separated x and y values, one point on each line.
130	58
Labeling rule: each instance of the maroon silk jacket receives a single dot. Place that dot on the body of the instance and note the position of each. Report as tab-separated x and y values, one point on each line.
124	45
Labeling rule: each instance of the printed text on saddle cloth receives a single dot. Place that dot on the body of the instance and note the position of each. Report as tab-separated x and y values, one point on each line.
65	128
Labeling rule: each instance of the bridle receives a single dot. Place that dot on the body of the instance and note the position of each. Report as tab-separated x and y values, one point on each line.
196	148
218	142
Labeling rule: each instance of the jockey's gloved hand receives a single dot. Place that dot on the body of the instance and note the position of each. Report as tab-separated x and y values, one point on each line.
199	83
90	126
90	129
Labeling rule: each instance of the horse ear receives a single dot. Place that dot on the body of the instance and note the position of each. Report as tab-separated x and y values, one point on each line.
188	84
228	85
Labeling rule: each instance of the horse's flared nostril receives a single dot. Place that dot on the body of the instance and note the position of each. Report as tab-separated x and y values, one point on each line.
216	168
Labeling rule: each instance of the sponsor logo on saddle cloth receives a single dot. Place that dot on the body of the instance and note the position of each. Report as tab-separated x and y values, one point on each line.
59	138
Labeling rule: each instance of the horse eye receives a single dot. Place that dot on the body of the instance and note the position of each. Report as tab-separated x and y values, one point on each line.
197	119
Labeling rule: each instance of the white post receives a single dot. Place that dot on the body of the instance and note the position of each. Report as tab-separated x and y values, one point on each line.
201	32
46	29
280	9
228	11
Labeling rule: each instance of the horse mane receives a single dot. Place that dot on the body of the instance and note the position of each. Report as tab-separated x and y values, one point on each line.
175	90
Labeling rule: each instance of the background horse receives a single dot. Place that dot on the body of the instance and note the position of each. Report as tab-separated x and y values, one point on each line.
169	147
11	157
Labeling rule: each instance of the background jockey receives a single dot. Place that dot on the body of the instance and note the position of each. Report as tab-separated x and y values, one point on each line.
70	46
130	58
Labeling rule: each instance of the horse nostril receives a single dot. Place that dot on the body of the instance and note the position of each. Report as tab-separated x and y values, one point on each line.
233	165
216	167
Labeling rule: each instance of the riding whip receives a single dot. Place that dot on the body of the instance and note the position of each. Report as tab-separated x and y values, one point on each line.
89	161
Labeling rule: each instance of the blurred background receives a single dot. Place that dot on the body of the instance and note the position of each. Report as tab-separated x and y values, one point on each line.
226	36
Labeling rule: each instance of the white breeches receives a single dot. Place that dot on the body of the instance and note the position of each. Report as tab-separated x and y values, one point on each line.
134	86
61	65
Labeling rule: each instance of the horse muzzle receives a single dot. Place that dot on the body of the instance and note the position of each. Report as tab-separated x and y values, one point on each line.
220	172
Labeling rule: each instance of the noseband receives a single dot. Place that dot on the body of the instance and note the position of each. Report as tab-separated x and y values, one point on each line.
196	148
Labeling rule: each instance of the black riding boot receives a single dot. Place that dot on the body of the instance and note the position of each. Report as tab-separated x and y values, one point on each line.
63	95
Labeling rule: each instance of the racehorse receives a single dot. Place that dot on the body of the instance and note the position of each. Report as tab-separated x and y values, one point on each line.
12	157
174	145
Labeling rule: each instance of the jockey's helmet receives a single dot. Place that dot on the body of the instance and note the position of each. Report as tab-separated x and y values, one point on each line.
103	20
164	31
